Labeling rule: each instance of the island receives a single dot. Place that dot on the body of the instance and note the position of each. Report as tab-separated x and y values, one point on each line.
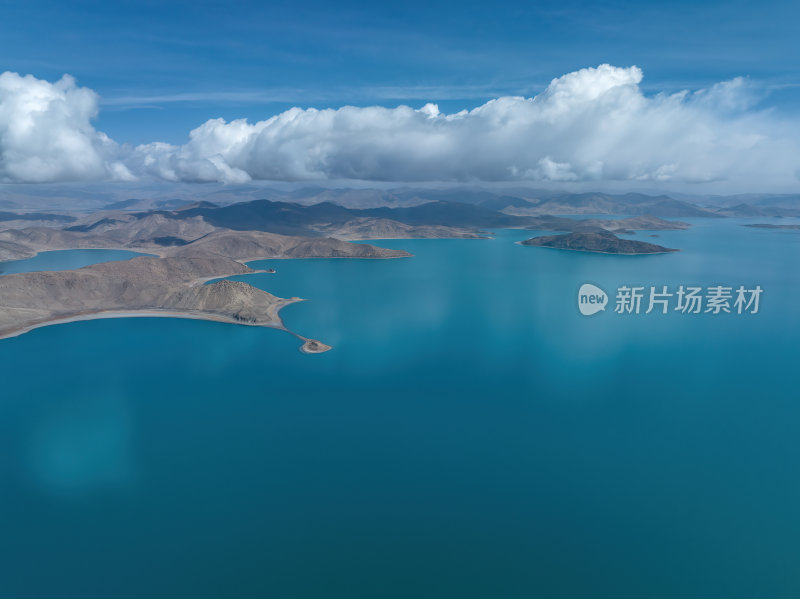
312	346
601	242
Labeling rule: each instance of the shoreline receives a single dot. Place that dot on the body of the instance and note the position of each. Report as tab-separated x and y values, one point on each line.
312	346
349	239
168	251
146	313
246	260
309	346
149	253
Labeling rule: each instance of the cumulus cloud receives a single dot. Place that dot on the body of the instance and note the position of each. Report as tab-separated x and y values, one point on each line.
593	125
46	133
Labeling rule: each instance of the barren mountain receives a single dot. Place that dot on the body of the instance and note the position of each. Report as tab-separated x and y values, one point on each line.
10	250
601	203
747	210
383	228
145	228
24	243
138	285
251	245
161	235
169	286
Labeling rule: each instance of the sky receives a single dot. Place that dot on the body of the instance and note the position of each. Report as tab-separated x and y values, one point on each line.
147	72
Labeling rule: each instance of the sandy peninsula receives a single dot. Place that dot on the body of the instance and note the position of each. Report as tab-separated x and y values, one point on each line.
173	285
190	252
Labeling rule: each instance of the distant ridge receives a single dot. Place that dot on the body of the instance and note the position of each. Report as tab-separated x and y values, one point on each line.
150	204
629	204
33	216
290	218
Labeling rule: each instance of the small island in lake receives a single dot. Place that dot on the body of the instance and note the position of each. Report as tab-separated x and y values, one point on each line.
602	242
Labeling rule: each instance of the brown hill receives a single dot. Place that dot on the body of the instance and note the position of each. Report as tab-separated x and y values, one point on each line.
601	242
142	285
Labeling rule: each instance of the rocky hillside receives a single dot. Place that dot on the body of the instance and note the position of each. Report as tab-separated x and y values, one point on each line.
141	284
383	228
248	245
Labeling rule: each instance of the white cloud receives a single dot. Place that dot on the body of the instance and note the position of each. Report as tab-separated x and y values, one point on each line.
46	133
593	125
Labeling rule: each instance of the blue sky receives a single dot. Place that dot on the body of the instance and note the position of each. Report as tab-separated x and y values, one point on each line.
162	68
550	90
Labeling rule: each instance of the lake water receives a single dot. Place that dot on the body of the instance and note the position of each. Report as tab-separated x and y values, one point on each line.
65	260
470	435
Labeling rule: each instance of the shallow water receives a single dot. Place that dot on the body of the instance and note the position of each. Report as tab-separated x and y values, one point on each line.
470	435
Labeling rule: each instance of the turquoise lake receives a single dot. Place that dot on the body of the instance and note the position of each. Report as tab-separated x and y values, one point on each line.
471	435
65	260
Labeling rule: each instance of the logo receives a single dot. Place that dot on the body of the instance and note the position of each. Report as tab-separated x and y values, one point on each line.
679	299
591	299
